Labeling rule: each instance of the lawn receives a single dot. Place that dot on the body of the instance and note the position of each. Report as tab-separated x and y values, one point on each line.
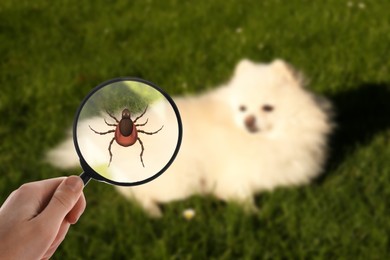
53	53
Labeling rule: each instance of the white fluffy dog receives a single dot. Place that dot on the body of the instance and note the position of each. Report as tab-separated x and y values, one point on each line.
259	131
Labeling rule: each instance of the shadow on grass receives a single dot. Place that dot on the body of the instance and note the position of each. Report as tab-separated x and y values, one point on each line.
360	115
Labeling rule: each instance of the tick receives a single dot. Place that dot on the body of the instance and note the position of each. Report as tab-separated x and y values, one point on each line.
126	131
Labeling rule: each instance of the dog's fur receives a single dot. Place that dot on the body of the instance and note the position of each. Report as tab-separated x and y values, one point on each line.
259	131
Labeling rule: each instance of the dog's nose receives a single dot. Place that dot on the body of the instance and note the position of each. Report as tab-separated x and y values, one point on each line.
250	121
250	124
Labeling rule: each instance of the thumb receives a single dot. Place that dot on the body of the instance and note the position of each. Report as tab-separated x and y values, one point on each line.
64	199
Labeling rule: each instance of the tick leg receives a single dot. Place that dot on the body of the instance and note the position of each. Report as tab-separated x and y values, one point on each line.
113	117
109	123
101	133
143	123
141	115
150	133
109	150
142	151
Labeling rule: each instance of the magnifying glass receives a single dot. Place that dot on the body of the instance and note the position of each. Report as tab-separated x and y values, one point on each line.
127	131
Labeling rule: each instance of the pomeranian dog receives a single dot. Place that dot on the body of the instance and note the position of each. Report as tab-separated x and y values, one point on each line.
259	131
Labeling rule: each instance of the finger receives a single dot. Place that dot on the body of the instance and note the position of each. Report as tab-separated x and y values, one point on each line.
78	209
63	200
57	241
31	197
44	190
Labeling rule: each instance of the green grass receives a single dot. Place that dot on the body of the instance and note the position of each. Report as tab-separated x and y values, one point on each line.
53	52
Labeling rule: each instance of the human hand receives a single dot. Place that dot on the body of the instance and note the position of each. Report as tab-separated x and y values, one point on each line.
36	217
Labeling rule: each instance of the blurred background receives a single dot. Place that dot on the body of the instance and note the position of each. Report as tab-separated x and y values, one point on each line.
52	53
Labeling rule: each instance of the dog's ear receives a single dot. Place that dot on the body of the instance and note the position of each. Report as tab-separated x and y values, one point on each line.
243	65
288	72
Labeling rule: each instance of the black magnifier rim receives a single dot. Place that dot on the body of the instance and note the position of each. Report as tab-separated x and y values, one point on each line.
88	169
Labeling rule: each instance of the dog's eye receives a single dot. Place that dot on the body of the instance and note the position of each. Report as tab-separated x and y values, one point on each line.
242	108
267	108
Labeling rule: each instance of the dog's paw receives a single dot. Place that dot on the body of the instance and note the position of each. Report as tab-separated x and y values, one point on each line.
152	209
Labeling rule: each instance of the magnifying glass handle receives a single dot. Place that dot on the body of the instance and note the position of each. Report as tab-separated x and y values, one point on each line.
85	177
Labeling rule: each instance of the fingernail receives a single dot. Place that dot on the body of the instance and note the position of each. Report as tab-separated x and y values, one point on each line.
74	183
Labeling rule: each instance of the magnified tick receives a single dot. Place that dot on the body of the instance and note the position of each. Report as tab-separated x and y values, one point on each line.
126	131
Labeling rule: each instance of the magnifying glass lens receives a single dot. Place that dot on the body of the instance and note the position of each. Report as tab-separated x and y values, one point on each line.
127	131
